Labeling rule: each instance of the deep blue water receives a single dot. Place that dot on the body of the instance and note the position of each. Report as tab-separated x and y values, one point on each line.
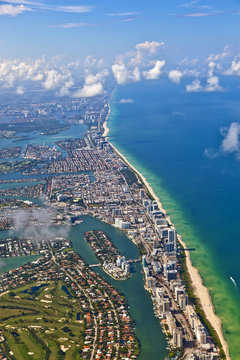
165	132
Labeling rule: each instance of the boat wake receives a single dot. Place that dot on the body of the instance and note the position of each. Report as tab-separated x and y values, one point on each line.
233	281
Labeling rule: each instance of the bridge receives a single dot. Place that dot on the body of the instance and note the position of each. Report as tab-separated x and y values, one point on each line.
94	265
134	261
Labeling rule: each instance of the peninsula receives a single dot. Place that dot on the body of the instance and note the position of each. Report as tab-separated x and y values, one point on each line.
193	277
90	177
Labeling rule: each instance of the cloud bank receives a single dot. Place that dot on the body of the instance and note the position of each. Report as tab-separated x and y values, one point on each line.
86	78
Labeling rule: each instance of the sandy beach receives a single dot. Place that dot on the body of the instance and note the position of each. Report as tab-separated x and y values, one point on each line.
106	129
200	289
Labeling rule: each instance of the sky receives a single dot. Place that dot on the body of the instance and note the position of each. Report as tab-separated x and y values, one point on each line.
101	38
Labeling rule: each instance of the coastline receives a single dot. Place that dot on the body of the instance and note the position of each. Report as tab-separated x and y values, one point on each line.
105	128
200	290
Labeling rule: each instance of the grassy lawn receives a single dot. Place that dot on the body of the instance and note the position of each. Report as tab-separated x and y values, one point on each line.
39	321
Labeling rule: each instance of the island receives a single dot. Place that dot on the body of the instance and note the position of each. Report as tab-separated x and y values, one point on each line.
108	255
10	152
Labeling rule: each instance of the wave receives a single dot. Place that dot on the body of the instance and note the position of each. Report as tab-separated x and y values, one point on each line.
233	281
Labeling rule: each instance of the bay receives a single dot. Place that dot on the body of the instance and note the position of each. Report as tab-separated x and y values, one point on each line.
148	328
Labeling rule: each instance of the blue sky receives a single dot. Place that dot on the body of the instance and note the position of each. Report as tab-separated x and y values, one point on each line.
30	30
71	31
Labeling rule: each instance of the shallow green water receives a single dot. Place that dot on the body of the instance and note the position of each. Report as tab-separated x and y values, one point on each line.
164	133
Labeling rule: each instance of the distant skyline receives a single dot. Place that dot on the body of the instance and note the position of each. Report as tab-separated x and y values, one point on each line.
56	41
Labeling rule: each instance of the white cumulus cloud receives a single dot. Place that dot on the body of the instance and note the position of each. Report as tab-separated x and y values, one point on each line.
195	86
231	142
58	80
234	69
141	54
99	77
212	85
93	85
175	76
132	66
155	72
48	74
143	51
124	75
151	46
90	90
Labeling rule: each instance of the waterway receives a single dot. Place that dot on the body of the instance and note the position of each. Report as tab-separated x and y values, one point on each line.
148	328
33	138
8	264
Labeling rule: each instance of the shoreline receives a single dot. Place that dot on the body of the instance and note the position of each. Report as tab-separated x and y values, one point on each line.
200	290
106	129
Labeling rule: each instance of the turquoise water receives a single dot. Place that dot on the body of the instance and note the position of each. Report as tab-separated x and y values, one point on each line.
164	133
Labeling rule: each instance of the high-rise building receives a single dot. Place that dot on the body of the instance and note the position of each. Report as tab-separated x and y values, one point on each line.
201	335
164	305
171	265
150	282
171	275
170	237
177	337
182	300
119	261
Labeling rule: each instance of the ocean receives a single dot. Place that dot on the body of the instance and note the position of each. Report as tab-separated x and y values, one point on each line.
175	139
